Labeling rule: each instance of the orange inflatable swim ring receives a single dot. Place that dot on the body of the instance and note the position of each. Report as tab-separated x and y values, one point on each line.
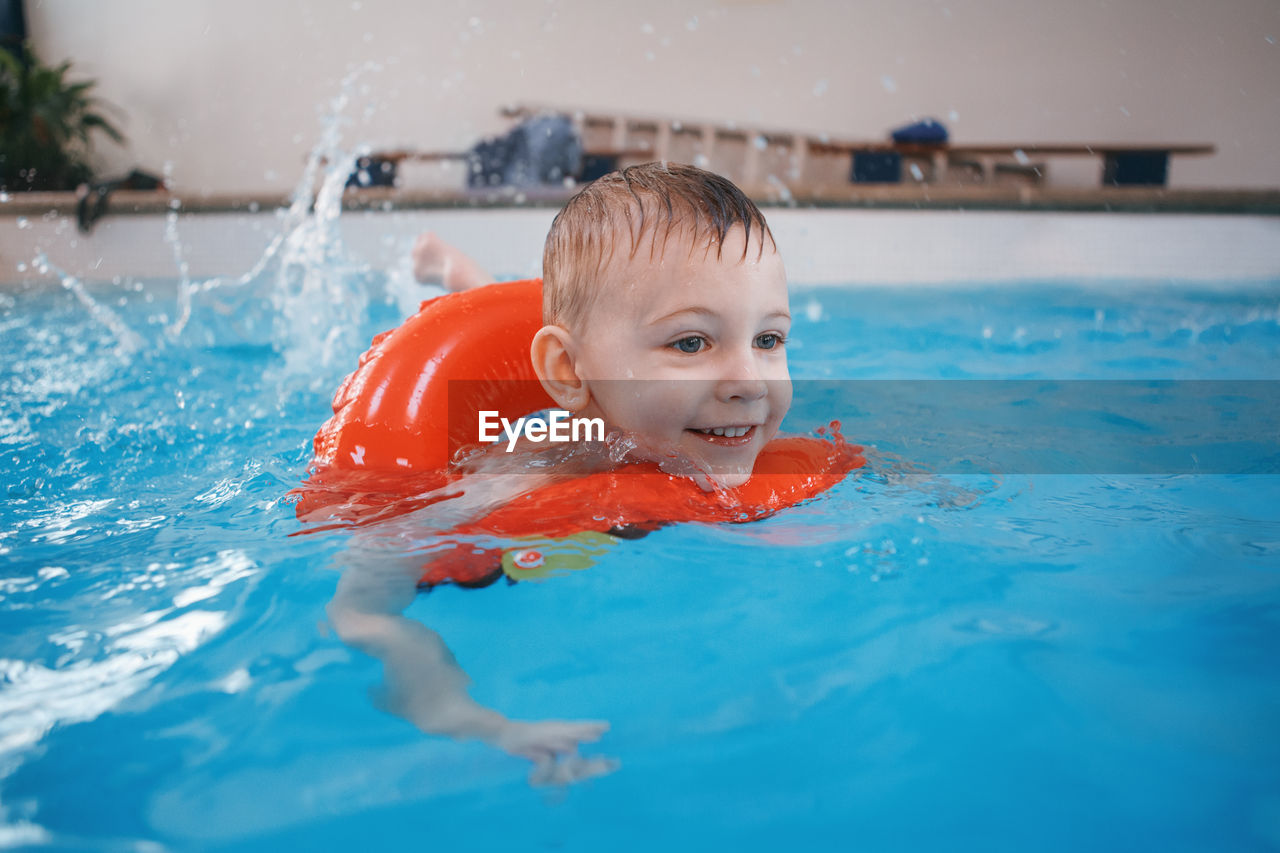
403	419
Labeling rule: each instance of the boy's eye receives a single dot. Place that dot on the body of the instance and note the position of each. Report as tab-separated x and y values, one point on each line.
689	345
770	340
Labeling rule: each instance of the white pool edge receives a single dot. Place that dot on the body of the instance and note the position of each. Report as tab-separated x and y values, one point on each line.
821	247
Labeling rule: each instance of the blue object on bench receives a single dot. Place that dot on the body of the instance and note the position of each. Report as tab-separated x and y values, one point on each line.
1136	168
543	149
597	166
373	172
877	167
924	132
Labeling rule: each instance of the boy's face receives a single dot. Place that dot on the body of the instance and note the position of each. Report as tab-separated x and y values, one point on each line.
686	351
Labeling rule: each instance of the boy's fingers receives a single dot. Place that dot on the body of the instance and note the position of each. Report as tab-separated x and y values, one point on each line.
566	735
588	730
567	741
551	738
572	769
596	766
552	746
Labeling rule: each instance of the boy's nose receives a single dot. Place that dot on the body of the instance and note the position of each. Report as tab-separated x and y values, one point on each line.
742	380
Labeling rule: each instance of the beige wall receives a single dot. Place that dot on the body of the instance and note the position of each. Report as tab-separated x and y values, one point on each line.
228	91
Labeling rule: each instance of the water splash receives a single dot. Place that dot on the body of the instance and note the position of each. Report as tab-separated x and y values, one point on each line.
312	301
128	341
314	305
186	290
303	278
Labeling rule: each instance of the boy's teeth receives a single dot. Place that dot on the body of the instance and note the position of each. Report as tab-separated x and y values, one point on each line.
728	432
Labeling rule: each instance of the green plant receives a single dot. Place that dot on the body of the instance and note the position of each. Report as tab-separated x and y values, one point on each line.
45	125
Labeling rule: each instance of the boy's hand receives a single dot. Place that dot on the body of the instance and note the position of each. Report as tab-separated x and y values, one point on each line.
553	748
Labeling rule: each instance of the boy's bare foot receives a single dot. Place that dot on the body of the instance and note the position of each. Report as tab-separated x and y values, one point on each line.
437	262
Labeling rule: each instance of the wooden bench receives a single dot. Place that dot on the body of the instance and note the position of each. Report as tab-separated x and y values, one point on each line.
1123	164
770	160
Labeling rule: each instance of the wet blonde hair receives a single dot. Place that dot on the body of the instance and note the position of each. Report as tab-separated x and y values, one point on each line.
653	199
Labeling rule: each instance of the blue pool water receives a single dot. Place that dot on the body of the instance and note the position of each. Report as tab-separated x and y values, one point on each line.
1049	655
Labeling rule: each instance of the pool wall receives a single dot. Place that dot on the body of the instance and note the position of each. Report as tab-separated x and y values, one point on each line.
820	246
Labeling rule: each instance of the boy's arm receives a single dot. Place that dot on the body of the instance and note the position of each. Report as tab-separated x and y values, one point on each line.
425	685
437	262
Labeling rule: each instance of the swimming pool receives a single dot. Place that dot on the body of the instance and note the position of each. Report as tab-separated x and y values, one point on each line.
986	640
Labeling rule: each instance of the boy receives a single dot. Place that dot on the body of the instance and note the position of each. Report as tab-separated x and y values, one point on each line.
665	314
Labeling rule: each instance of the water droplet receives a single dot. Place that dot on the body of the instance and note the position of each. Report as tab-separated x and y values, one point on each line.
1125	111
5	198
760	142
813	310
820	88
987	332
692	24
888	82
647	29
24	223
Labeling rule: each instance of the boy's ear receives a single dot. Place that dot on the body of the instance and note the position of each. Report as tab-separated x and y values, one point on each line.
555	362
